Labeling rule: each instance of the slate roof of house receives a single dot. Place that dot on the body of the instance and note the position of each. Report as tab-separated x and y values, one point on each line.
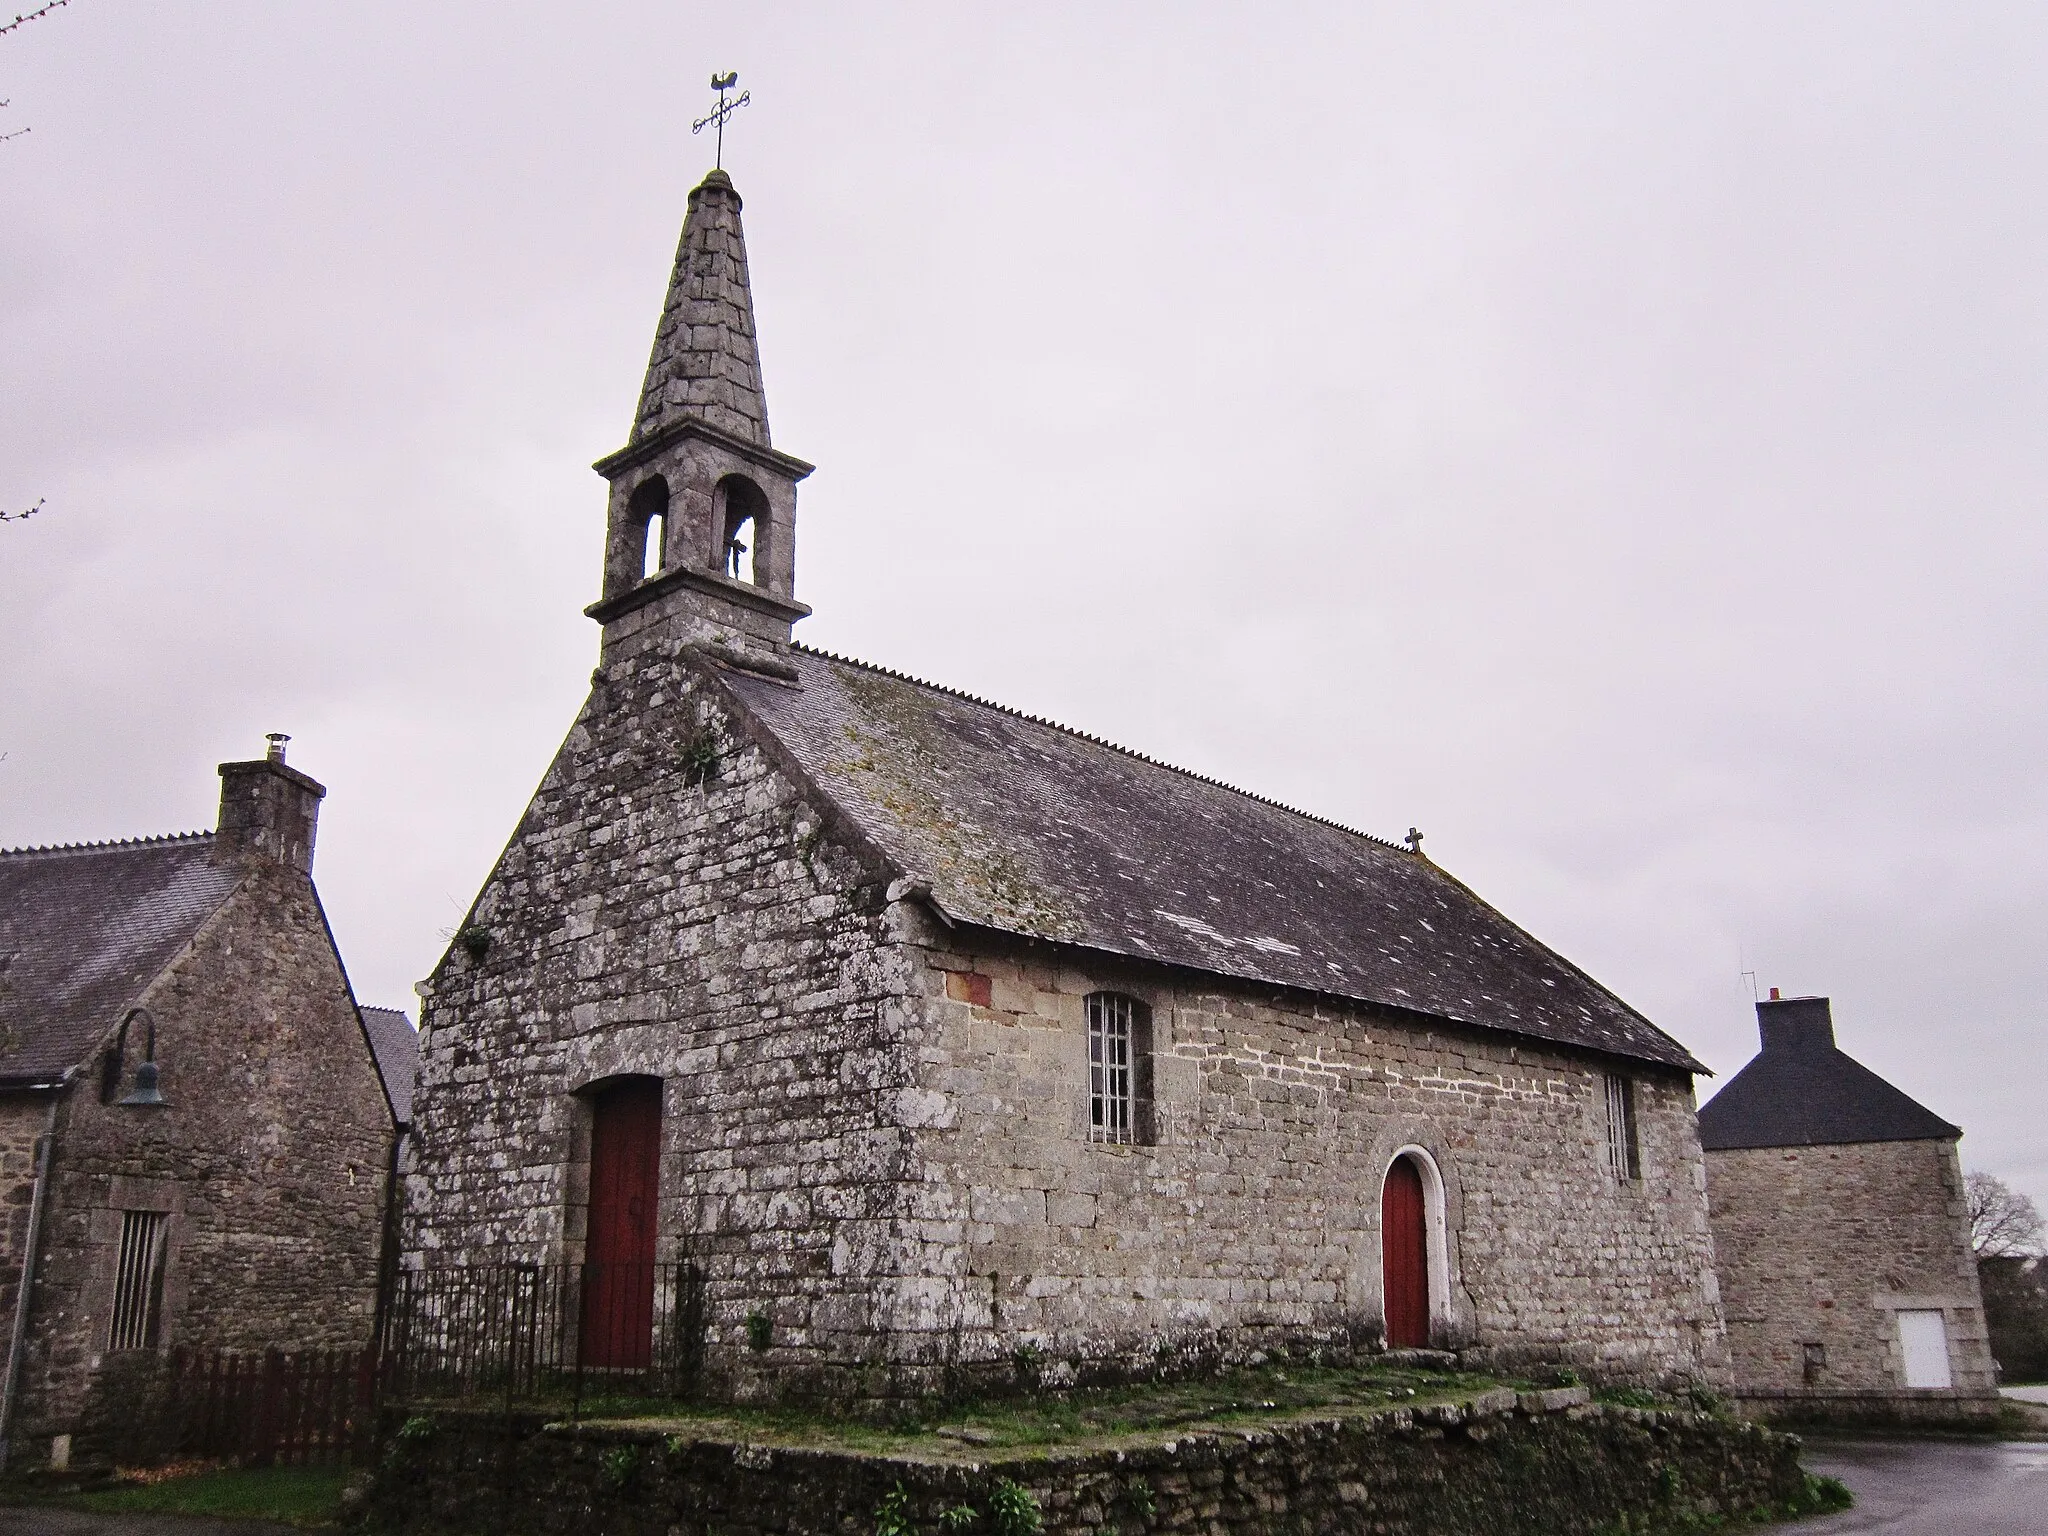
1027	827
396	1045
1802	1090
83	930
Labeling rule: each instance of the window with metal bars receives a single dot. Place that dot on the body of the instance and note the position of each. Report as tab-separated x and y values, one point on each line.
139	1281
1119	1068
1623	1159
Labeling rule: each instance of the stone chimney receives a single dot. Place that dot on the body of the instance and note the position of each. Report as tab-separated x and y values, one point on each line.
268	811
1795	1024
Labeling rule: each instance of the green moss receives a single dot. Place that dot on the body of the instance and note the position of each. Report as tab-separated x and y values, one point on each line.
1045	1419
898	772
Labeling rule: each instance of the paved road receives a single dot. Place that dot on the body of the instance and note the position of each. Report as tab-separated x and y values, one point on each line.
29	1521
1935	1488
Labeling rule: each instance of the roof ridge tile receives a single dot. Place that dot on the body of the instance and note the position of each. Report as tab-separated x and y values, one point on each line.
103	844
1100	741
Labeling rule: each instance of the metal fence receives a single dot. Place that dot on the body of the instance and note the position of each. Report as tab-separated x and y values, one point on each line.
545	1330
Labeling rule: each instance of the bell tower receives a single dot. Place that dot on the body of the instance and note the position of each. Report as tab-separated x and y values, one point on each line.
701	537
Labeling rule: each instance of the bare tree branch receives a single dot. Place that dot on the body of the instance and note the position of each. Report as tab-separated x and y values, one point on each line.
15	26
22	21
15	517
2004	1224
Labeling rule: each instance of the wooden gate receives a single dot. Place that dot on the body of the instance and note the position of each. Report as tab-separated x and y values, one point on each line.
313	1406
625	1183
1404	1250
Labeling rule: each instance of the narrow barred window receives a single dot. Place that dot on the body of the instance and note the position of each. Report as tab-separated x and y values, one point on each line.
139	1281
1109	1067
1623	1160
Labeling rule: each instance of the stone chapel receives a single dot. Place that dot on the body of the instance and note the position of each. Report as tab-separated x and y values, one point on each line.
935	1038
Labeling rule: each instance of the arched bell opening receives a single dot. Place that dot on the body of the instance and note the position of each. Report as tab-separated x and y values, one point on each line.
648	513
743	522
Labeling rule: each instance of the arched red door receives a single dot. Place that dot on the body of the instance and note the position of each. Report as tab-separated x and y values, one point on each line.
1404	1257
618	1251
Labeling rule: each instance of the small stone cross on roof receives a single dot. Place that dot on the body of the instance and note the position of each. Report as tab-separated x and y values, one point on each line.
724	109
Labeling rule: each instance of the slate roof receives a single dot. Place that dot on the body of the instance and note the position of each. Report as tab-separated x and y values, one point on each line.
396	1045
1027	827
1802	1090
83	930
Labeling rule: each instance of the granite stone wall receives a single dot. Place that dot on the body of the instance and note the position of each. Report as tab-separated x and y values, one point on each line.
269	1163
671	905
1458	1470
1820	1248
23	1117
1254	1214
875	1127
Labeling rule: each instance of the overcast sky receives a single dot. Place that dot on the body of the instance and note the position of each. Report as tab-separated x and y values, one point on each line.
1607	437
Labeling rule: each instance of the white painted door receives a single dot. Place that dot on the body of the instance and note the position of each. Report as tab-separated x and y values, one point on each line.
1923	1339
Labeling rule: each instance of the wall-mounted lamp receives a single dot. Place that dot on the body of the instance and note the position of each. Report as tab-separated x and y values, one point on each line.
146	1094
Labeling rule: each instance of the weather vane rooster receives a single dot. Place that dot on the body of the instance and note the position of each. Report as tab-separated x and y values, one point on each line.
724	109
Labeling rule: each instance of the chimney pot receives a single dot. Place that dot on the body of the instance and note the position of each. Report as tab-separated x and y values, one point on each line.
1774	994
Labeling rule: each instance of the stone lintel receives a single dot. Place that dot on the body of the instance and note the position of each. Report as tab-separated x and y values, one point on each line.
784	464
678	578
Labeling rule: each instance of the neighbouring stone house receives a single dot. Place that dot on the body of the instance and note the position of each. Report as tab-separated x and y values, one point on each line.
195	1140
1843	1235
943	1039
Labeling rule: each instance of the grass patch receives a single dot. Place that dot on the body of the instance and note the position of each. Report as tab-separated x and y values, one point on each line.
1064	1418
291	1495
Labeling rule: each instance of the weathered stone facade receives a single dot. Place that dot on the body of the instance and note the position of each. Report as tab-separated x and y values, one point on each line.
23	1120
851	924
712	935
1255	1214
1843	1236
269	1160
1821	1248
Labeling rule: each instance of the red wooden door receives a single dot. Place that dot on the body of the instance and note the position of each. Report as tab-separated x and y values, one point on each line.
1404	1251
618	1252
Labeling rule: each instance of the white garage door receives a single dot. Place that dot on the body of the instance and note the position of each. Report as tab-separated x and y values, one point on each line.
1923	1337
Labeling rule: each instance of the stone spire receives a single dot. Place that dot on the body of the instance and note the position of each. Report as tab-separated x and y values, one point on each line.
705	363
700	539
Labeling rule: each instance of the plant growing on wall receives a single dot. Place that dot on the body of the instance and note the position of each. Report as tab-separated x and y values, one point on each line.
760	1330
892	1515
697	756
617	1466
1013	1511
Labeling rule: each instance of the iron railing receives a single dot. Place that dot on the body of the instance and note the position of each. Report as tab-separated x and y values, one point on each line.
545	1330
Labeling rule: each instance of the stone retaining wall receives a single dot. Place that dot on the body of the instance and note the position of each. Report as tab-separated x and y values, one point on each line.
1490	1467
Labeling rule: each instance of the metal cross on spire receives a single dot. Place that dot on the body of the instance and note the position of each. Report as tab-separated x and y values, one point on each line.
724	109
